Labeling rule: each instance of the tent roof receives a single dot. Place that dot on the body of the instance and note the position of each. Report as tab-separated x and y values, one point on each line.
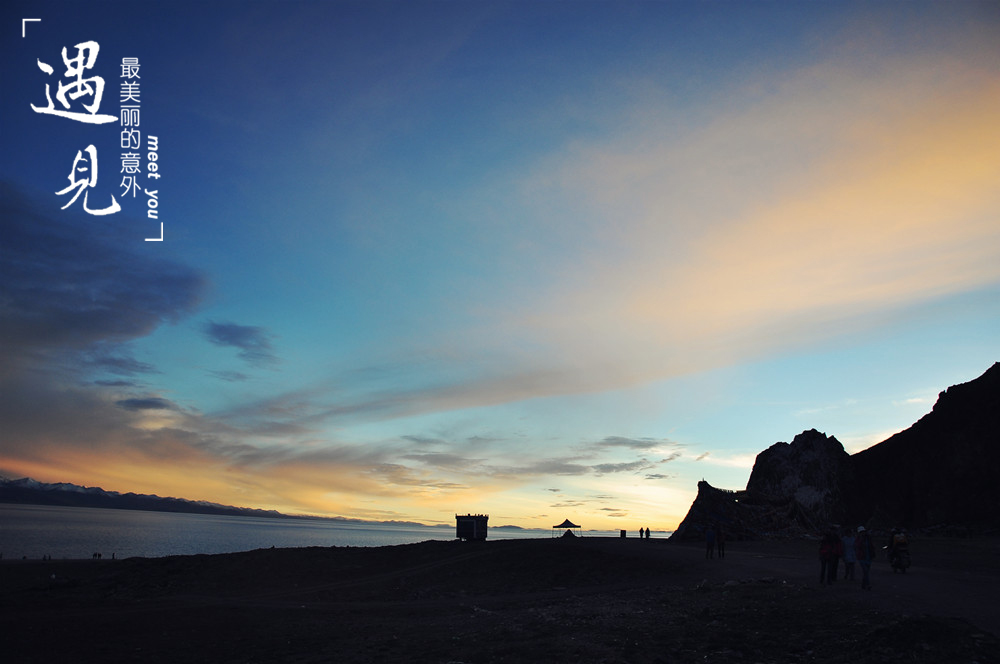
566	524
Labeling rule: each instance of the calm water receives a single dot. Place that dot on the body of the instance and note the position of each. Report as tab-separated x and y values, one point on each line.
78	532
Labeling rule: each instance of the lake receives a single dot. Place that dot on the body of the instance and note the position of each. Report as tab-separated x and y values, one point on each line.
78	532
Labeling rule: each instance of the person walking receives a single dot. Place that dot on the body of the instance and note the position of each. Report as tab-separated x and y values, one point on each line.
864	551
720	541
838	553
709	542
850	557
827	555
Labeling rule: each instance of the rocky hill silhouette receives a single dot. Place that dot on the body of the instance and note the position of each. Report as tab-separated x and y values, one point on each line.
943	470
937	475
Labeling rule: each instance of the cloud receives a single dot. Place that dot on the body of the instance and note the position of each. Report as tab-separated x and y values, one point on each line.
230	376
149	403
614	512
80	285
254	342
117	361
921	401
743	461
566	466
631	443
498	461
382	400
854	443
399	475
608	468
443	460
812	207
424	441
74	292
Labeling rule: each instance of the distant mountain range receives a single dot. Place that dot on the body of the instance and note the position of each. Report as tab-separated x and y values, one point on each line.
31	492
27	491
939	475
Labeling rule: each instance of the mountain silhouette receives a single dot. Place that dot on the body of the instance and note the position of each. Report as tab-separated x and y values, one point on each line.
938	474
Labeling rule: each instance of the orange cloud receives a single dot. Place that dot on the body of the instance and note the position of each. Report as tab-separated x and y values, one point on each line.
828	205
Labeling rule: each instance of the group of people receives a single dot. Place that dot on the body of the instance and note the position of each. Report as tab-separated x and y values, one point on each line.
854	548
715	540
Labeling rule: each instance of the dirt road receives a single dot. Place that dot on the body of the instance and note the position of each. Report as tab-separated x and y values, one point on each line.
949	577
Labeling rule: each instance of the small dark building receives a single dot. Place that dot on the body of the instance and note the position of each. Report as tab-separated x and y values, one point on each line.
471	526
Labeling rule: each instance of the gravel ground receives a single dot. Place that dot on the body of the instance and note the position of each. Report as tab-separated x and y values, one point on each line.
561	600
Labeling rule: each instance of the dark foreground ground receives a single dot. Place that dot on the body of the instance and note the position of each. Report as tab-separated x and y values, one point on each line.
561	600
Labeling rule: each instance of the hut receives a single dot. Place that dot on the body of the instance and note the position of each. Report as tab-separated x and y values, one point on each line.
471	526
569	526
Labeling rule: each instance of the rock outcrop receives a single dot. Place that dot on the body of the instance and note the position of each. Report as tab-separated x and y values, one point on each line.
794	487
939	473
737	515
812	475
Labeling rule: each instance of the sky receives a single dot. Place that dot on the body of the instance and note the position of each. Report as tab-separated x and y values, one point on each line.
540	260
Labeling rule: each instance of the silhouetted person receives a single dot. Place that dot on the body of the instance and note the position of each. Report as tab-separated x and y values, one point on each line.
898	549
838	553
864	551
709	543
647	533
827	557
850	557
720	541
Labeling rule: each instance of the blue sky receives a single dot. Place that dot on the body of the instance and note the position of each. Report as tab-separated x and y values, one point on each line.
540	260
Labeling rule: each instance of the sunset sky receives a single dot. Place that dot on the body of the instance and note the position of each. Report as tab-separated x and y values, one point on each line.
541	260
